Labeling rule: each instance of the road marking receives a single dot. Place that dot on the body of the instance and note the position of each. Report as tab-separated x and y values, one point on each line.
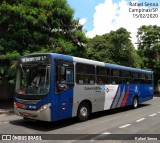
152	115
124	126
5	122
106	133
158	112
139	120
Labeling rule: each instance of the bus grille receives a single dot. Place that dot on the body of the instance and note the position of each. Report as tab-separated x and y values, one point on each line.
27	101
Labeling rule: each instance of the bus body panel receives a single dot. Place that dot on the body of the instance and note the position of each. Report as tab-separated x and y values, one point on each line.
62	105
91	93
107	97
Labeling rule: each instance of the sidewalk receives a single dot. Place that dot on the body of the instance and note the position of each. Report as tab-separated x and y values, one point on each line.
6	107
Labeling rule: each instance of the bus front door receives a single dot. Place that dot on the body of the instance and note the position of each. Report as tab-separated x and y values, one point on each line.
64	75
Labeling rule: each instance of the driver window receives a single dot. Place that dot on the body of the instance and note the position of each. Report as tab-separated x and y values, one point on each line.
64	75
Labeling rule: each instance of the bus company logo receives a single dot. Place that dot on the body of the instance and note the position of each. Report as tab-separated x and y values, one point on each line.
110	89
102	88
91	88
107	90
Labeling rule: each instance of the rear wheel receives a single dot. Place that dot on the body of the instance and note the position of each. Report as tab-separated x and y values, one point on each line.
83	112
135	102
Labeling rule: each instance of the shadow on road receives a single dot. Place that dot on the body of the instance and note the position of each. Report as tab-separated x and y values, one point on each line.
49	126
44	126
115	111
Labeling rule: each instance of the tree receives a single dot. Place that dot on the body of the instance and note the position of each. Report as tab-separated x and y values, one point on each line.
122	49
98	49
115	47
37	26
149	48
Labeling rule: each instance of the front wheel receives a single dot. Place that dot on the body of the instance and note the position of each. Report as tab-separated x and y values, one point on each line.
135	102
83	112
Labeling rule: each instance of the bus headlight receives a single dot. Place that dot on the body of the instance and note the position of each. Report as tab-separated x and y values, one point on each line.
44	107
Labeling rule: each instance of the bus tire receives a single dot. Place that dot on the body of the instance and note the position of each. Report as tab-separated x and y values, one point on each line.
135	102
83	112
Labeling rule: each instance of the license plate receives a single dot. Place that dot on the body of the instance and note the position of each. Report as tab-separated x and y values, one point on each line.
25	114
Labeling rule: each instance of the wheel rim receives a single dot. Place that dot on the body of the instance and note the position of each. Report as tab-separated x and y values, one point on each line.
135	102
83	111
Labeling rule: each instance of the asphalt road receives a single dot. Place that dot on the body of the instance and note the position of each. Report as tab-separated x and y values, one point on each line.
119	125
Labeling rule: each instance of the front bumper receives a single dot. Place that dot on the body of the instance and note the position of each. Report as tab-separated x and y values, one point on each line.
34	114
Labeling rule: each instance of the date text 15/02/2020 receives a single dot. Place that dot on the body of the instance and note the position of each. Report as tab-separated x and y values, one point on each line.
145	15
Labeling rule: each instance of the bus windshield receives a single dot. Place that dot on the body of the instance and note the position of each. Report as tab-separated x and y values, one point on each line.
33	80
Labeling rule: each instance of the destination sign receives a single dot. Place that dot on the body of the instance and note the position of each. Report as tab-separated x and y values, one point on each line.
40	58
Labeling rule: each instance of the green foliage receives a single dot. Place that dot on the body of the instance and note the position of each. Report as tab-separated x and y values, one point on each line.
98	49
37	26
114	47
149	48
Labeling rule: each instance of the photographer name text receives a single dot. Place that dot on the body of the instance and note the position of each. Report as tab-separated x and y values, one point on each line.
143	9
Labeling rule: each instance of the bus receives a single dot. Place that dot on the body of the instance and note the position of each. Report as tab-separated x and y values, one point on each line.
88	86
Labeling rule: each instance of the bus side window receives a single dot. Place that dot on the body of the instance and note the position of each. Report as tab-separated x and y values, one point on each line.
102	75
116	80
135	78
115	76
69	75
113	82
149	79
85	74
126	80
126	76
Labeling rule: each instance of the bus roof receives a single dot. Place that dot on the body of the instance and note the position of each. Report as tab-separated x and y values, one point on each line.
97	63
93	62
